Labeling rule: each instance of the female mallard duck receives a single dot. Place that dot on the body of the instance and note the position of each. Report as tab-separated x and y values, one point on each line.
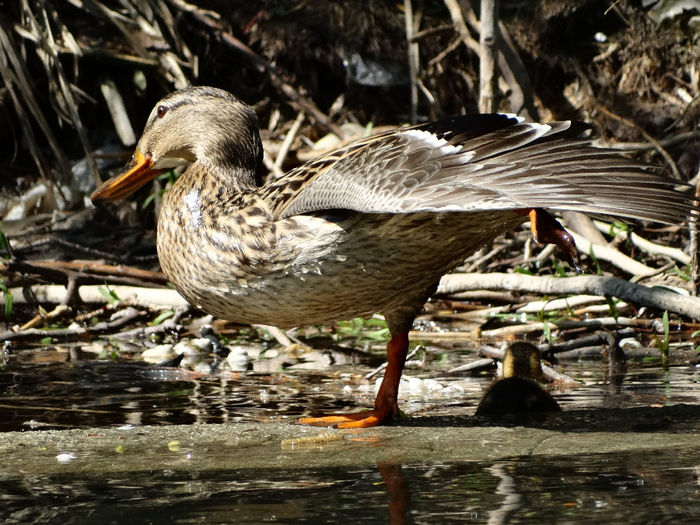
518	391
370	227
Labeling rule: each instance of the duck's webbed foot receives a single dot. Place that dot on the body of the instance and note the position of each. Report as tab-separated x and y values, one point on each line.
546	229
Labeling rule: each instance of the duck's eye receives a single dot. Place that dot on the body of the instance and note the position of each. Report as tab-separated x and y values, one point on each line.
161	111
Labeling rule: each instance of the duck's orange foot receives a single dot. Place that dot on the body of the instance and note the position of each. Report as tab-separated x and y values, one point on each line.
385	406
546	229
364	419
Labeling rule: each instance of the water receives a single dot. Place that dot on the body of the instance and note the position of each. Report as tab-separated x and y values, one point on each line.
52	392
49	392
614	488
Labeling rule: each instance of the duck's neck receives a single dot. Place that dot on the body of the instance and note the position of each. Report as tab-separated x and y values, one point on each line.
197	201
233	178
236	163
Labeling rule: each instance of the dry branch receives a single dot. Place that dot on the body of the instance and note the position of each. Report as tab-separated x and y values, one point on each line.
658	298
288	140
665	142
645	244
582	223
694	224
613	256
157	298
296	99
487	57
15	78
657	145
75	332
412	58
510	65
565	303
540	327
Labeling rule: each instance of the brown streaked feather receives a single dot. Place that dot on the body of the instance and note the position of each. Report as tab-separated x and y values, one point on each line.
518	166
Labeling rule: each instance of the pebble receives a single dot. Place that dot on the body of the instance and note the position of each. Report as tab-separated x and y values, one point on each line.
158	354
65	457
191	347
427	389
629	343
238	358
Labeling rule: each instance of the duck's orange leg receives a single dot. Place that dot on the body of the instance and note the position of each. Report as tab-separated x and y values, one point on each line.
385	404
546	229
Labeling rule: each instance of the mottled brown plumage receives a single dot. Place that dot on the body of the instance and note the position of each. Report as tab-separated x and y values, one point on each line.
370	227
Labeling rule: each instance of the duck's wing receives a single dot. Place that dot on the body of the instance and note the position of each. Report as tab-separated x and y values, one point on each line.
479	163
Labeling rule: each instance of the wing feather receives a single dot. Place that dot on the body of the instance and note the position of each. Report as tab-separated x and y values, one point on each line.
479	163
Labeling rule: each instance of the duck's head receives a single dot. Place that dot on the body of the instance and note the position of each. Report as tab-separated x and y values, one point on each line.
522	360
202	125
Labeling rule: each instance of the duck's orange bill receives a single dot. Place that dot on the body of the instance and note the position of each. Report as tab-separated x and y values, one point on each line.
139	173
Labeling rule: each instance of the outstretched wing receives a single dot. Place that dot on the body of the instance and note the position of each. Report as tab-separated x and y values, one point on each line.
480	163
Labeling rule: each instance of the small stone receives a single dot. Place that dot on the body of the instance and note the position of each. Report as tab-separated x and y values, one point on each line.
432	386
201	367
629	343
238	358
415	386
188	348
203	343
453	390
65	457
158	354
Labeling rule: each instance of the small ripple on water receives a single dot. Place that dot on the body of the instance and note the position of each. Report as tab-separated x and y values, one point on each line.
48	393
614	488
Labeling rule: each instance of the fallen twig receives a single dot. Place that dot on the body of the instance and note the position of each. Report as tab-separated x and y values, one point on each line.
93	294
583	224
639	146
644	244
171	324
694	227
612	255
380	368
86	269
659	298
565	303
42	317
479	364
75	332
597	339
288	140
280	336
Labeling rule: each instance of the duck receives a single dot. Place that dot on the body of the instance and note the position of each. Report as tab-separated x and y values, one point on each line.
519	390
369	227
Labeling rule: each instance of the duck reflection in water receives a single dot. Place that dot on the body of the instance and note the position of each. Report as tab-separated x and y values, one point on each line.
399	496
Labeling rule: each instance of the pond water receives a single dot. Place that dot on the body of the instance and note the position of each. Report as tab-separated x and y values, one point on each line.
613	488
41	391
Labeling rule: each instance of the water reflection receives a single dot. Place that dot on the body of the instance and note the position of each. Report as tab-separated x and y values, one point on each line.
399	496
507	487
618	488
57	394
